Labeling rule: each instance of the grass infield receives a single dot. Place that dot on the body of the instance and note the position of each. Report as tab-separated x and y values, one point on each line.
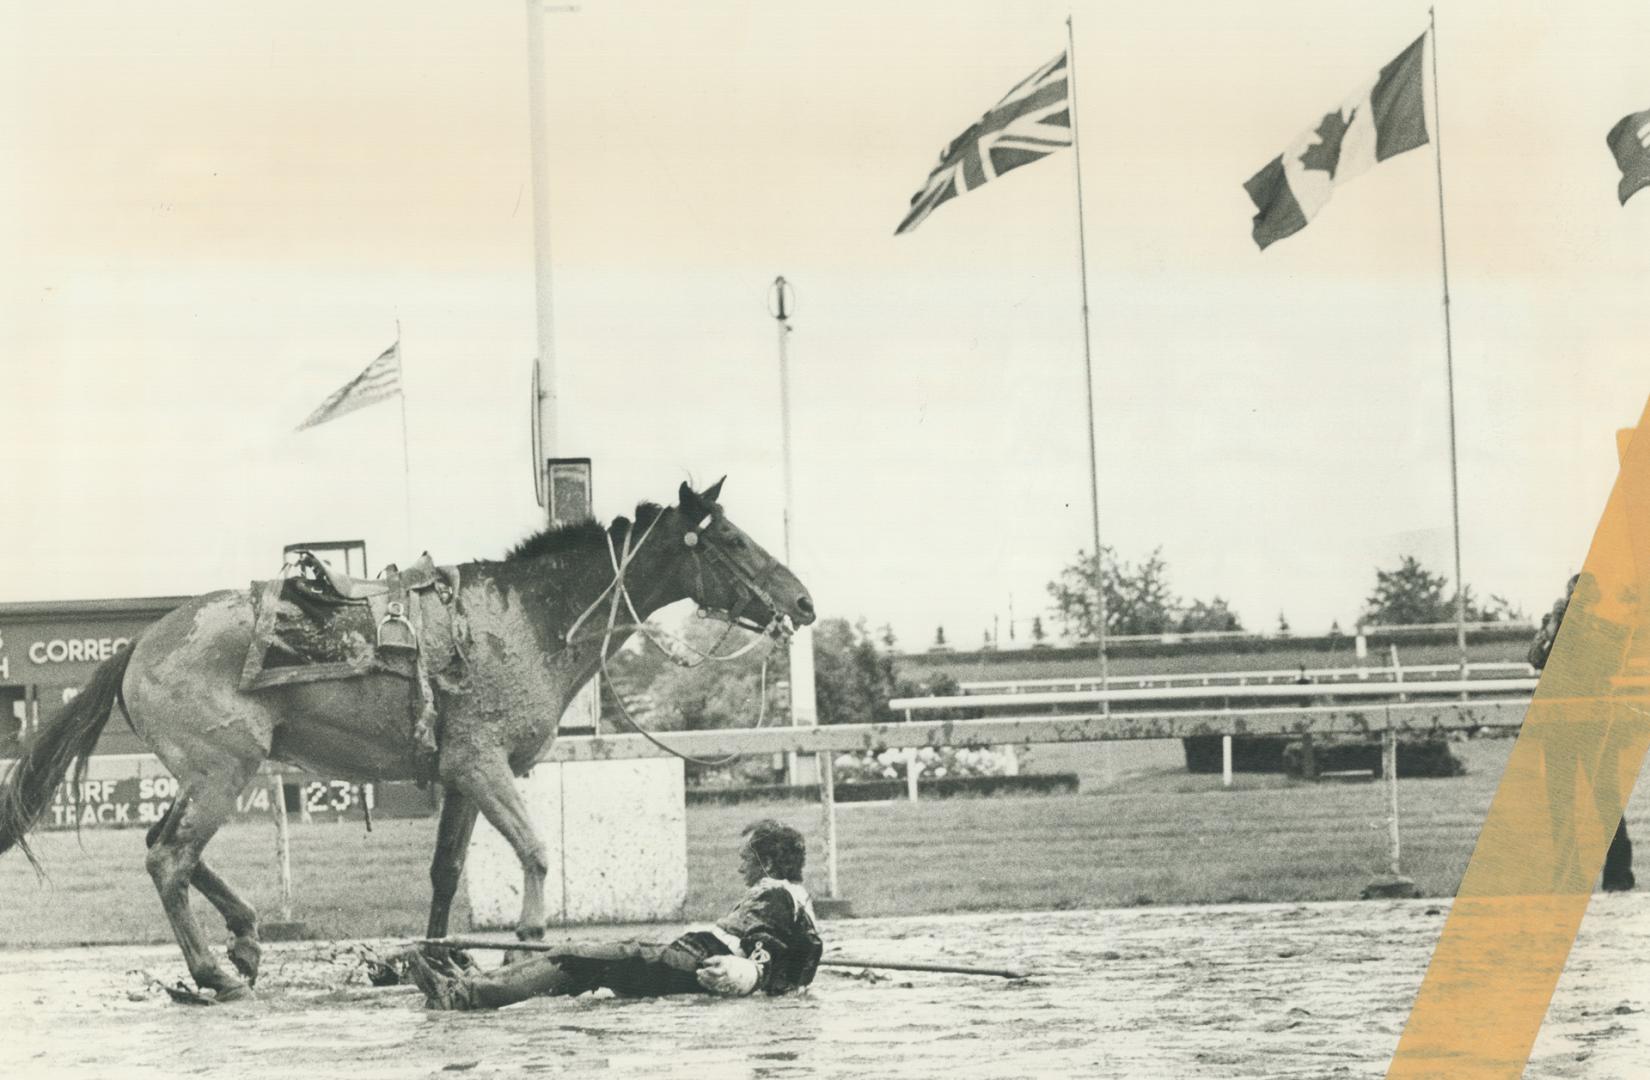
1153	835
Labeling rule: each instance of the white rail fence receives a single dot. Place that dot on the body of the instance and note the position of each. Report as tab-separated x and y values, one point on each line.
1317	676
1384	711
1384	719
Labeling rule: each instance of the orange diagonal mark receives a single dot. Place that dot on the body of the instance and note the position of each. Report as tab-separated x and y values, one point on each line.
1566	785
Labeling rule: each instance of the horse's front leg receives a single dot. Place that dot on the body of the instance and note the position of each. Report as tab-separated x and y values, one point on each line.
489	784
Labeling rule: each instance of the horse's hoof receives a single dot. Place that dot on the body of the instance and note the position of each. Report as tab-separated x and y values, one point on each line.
380	973
245	953
234	992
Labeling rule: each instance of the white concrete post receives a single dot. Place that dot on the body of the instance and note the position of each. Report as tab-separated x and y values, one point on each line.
283	843
1389	752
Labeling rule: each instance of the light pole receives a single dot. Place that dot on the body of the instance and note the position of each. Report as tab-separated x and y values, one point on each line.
804	709
781	303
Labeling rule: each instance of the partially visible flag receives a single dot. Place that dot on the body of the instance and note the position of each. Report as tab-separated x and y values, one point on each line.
381	379
1383	119
1629	140
1031	121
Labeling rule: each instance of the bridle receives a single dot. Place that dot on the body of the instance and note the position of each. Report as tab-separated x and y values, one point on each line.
779	627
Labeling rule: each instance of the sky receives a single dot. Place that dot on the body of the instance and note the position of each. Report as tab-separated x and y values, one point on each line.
215	215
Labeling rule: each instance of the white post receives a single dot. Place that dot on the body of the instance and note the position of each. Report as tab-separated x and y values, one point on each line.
1226	760
283	843
804	704
1397	668
912	768
1389	752
538	140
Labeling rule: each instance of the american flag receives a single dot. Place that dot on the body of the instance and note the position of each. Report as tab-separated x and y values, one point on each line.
1031	121
381	379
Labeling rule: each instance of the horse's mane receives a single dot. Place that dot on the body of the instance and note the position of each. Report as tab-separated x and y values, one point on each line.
577	535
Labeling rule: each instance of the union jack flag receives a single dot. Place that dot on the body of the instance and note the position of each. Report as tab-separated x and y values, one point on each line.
1031	121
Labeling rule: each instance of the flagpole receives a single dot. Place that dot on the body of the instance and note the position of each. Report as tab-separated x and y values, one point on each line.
406	458
1088	363
1449	356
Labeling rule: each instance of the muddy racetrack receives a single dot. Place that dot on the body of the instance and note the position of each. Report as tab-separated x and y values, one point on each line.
1260	990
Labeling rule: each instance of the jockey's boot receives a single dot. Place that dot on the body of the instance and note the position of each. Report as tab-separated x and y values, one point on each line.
503	986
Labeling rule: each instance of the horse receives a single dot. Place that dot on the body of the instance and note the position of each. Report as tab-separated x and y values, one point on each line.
178	686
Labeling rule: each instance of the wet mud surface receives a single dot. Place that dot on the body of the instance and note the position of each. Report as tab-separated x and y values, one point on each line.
1308	990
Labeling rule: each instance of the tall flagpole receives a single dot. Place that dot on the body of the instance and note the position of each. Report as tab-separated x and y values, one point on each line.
1449	357
1088	364
406	458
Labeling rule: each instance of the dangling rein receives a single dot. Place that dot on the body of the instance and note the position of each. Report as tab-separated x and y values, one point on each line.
616	592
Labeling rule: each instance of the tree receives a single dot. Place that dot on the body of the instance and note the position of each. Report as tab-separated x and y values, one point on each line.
939	637
1138	599
1499	609
1412	594
1407	595
1038	634
852	679
1203	616
710	694
1283	625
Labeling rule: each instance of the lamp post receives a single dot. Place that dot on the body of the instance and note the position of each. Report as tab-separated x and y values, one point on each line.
804	708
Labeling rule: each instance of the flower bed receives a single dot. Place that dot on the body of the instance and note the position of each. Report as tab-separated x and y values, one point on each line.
883	790
933	763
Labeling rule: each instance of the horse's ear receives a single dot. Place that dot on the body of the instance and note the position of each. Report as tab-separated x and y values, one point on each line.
688	499
713	492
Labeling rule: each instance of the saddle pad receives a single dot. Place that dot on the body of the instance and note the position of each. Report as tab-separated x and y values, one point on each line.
300	635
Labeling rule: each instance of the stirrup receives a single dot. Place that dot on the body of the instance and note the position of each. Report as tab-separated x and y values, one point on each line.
394	631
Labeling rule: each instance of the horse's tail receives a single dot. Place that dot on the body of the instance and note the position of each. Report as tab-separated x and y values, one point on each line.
46	758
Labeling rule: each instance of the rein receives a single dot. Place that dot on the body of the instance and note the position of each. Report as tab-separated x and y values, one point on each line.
617	592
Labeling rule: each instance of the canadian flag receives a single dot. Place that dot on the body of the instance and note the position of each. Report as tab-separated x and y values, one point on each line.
1381	120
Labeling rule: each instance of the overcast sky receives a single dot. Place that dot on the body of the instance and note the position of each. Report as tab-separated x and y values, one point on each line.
215	214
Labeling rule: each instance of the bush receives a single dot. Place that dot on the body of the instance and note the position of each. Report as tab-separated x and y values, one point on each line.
932	764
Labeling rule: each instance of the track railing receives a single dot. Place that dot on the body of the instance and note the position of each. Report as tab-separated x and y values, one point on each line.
1292	676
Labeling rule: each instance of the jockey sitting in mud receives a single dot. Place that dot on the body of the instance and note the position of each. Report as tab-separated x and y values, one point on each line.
768	942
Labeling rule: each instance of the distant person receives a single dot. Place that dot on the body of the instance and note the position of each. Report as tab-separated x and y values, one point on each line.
769	942
1600	655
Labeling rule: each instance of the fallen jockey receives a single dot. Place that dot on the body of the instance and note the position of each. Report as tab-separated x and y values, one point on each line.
769	942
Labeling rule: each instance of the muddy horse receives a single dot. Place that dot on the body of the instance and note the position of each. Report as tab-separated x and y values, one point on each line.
539	625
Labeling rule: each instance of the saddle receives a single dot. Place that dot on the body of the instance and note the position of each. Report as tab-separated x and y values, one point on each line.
314	624
395	630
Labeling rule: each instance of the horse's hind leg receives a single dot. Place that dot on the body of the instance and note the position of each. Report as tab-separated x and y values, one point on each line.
240	916
174	860
452	844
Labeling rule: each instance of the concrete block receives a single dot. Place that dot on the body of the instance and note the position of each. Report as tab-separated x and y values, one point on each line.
616	837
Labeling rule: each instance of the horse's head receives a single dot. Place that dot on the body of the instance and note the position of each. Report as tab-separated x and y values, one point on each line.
728	574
